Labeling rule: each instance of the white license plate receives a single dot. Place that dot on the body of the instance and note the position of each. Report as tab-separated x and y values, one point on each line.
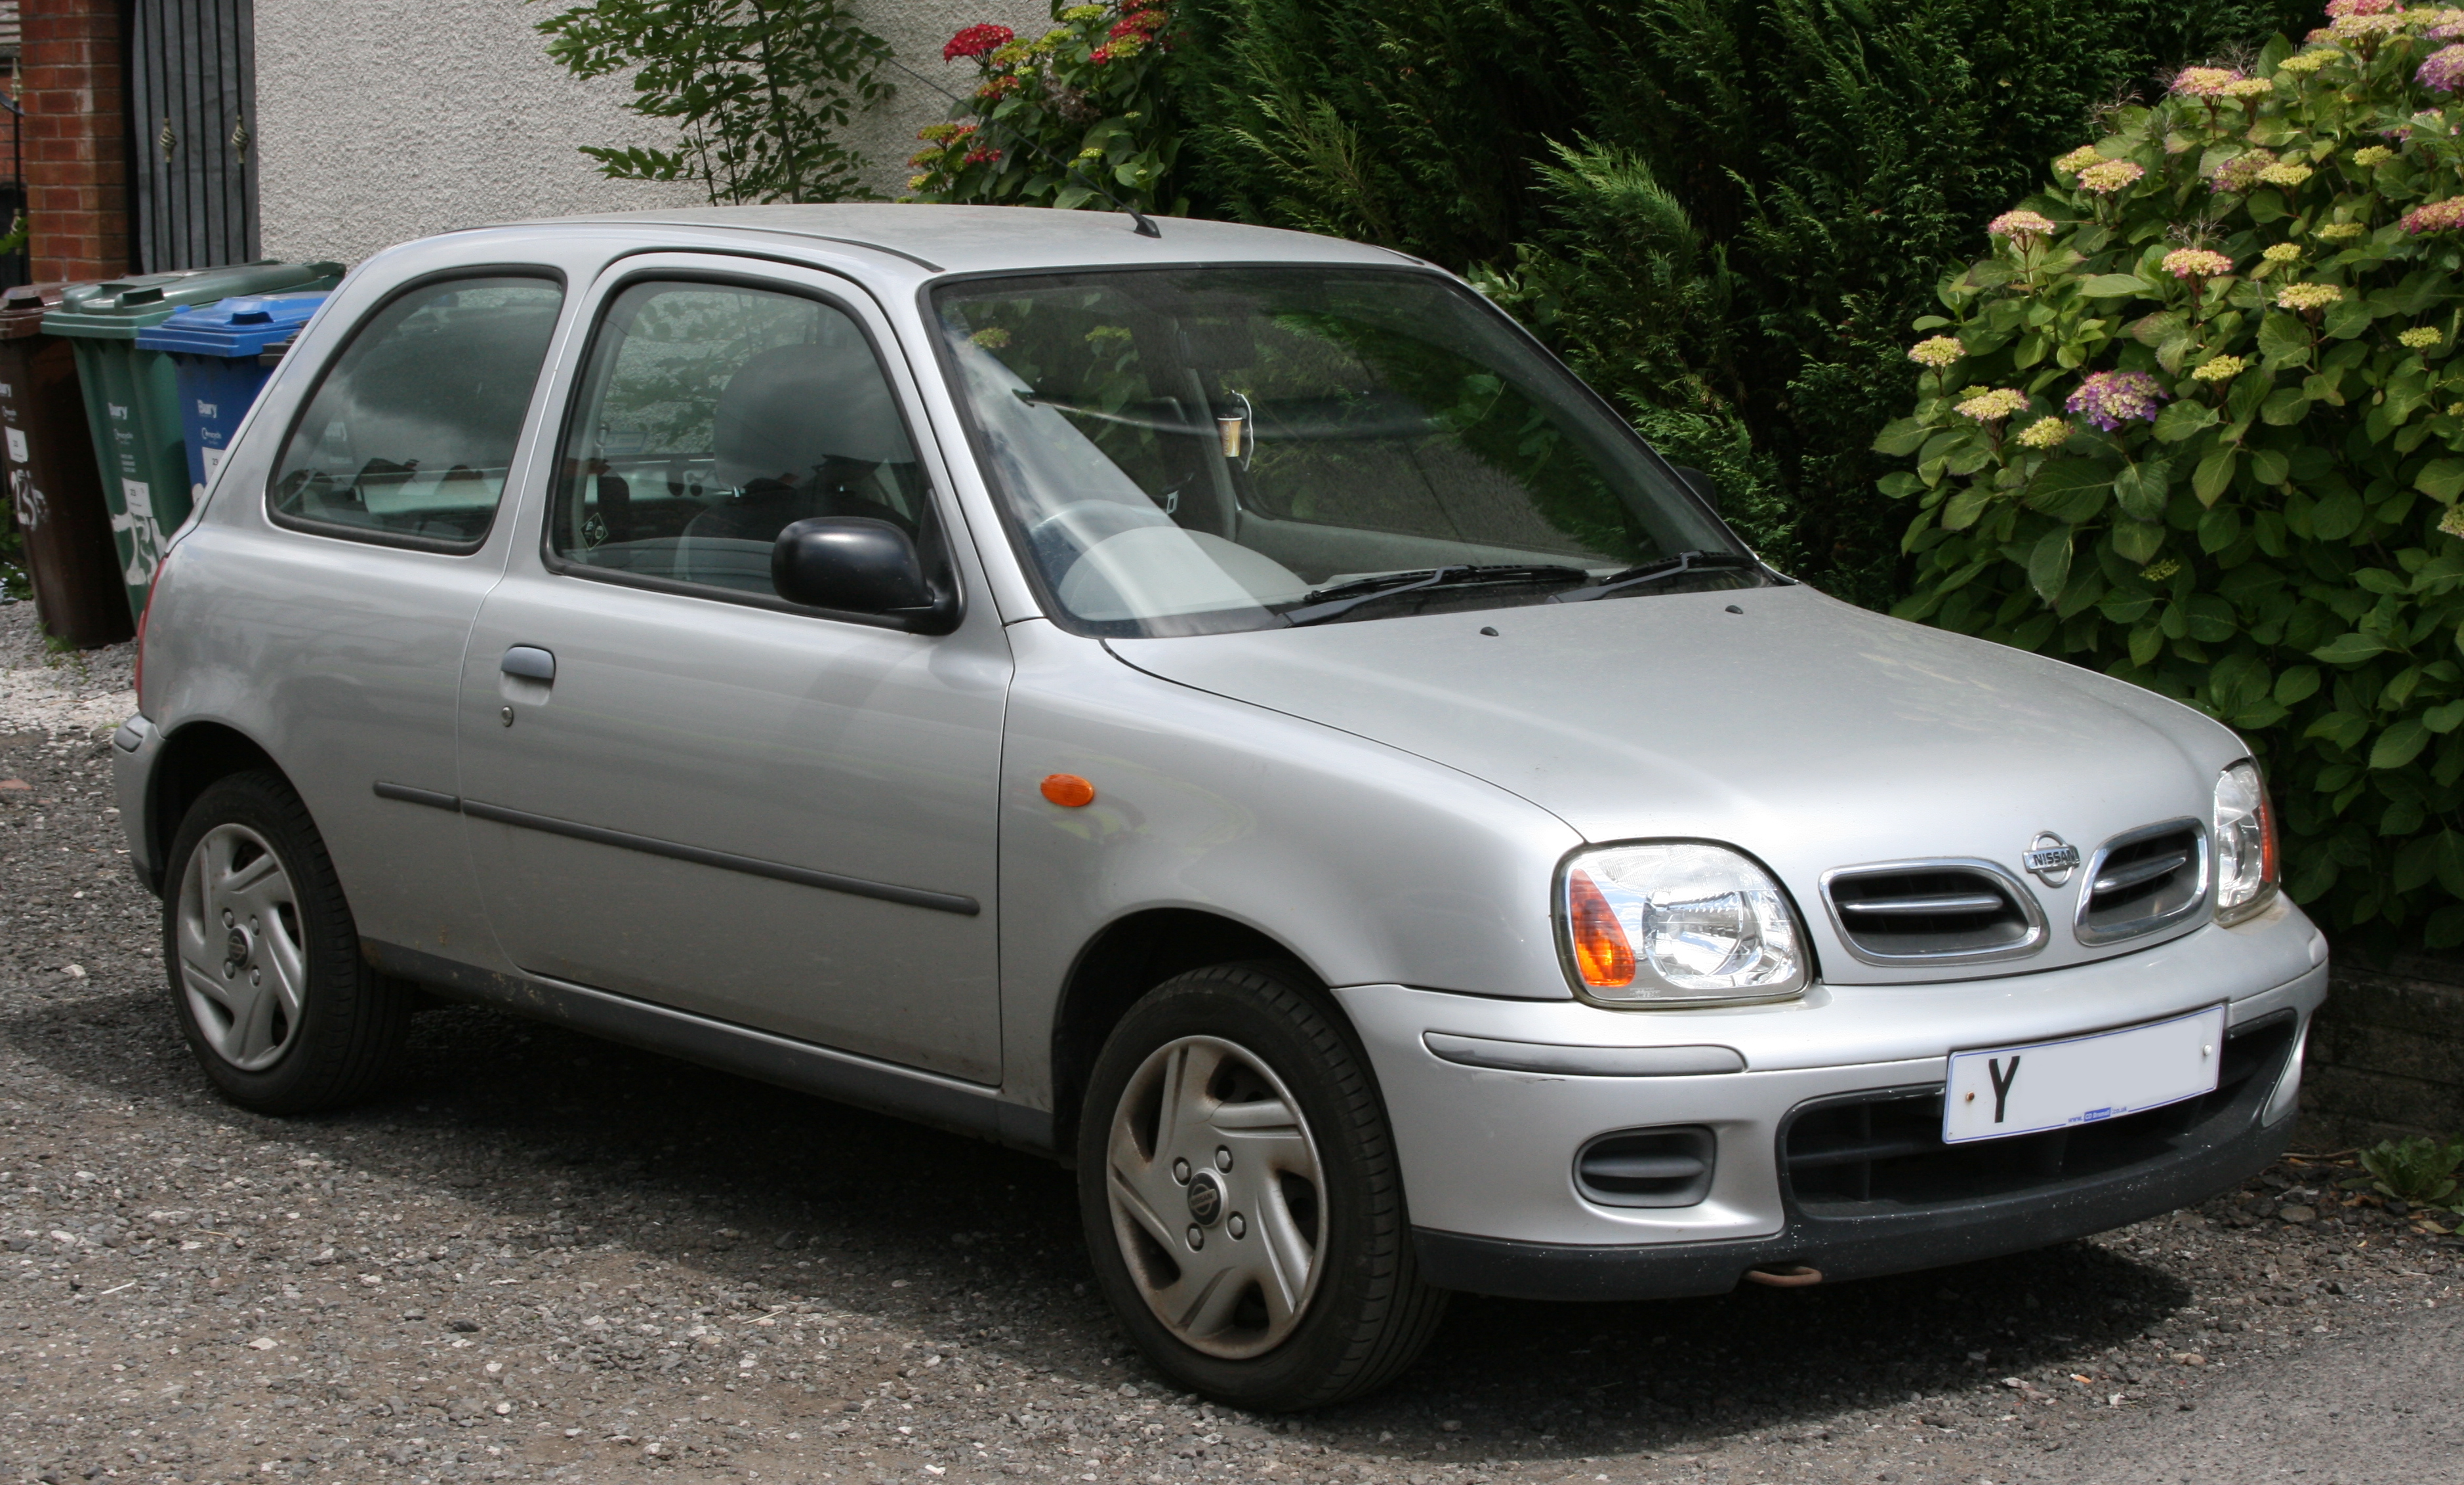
2002	1091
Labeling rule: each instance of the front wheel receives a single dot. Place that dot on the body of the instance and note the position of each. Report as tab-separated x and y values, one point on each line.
1240	1195
266	975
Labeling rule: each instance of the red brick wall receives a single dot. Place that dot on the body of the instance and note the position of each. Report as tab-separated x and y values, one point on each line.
77	174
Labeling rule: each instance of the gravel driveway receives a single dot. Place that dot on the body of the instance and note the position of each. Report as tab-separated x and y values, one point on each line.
546	1257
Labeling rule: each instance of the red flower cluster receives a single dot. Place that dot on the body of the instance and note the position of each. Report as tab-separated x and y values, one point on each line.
982	157
1138	23
1002	86
975	41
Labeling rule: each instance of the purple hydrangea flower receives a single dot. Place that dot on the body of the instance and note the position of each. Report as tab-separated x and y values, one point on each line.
2444	71
2110	398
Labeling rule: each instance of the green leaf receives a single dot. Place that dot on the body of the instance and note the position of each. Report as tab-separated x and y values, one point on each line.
2346	319
2284	340
2284	406
2444	719
2441	479
2219	529
2399	745
1961	510
2351	648
1900	483
2338	516
2113	286
2139	542
2297	686
2182	420
2049	563
2266	466
2213	475
2071	490
2138	488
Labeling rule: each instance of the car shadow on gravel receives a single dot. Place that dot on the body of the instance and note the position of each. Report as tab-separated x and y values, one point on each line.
760	1187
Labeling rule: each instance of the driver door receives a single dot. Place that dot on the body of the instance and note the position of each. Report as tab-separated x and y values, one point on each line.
681	788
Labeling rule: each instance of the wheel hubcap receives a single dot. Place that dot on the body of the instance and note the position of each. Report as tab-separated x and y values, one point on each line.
1216	1198
242	962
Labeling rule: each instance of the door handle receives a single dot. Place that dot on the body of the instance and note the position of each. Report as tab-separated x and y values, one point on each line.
530	663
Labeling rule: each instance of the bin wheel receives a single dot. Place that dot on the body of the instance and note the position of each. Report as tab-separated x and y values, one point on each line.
264	963
1240	1195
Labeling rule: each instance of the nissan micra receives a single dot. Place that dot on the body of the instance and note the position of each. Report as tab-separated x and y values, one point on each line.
1221	707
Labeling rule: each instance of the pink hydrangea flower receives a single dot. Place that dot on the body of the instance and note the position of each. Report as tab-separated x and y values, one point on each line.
2020	225
2444	71
2339	8
2204	82
2197	263
2110	398
2438	216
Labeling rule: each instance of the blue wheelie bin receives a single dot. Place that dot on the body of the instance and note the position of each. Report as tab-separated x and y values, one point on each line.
217	351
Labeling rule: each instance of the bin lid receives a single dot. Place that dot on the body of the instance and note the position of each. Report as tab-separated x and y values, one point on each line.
21	309
118	308
235	328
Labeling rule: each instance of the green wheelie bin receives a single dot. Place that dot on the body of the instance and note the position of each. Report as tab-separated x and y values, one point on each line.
132	396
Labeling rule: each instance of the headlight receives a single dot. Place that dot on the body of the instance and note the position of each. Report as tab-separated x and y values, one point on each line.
1678	923
2245	845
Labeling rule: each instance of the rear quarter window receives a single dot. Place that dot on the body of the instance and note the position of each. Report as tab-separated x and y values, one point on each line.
409	436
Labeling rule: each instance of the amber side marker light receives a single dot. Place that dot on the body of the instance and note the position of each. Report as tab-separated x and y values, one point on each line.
1068	790
1601	953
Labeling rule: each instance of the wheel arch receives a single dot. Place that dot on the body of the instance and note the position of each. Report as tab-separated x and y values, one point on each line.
193	758
1127	958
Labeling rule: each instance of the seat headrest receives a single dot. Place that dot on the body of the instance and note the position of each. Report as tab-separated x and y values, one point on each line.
793	407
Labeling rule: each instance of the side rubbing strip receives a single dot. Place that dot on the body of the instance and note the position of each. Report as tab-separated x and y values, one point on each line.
651	845
410	796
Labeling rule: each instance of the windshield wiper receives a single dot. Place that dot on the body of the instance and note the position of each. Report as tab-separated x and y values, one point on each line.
1654	572
1344	596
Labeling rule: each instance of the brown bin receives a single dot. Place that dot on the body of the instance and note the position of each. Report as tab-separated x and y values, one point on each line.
53	492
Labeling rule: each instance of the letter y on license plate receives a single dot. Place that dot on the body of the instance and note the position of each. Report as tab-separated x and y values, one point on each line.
2083	1080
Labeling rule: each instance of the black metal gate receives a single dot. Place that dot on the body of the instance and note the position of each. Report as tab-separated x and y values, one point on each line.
192	106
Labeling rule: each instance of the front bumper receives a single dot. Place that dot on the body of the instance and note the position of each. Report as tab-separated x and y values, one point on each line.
1489	1153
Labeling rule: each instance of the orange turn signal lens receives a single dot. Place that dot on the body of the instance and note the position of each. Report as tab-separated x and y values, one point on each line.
1601	952
1068	790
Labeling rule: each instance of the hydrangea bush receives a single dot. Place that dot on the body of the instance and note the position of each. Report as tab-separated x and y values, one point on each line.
1050	117
2197	420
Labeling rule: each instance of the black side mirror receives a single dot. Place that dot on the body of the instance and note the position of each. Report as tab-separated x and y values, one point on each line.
852	563
1701	484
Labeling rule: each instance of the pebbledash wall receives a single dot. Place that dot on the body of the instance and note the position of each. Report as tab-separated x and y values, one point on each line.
380	120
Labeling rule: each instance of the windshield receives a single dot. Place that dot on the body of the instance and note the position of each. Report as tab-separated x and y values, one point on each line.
1204	449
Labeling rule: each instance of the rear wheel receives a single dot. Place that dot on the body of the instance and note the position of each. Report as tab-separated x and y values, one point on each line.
1240	1196
266	975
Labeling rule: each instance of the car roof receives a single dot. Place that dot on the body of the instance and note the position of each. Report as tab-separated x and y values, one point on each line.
981	239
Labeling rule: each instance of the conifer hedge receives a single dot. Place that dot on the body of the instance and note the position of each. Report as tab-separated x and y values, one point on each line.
1787	179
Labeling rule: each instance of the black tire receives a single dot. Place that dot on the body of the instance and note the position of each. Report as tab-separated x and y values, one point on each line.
1370	1315
351	1023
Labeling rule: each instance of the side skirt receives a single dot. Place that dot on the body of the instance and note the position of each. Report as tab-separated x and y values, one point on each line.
843	1077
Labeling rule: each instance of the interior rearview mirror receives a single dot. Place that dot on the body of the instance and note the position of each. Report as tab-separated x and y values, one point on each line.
1701	484
852	563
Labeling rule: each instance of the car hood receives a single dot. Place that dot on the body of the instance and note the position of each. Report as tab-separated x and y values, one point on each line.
1807	731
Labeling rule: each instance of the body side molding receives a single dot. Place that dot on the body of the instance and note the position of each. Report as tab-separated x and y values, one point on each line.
676	850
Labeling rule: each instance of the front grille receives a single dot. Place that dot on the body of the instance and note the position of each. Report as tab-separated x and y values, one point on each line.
1932	912
1872	1153
2146	879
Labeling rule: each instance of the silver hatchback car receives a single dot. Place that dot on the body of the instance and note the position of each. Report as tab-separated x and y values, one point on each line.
1224	710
